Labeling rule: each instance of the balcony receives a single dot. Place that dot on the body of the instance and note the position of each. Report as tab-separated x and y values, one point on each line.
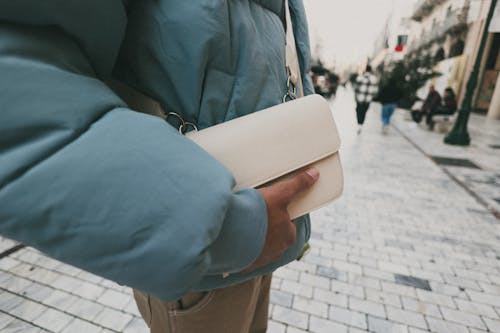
455	21
423	8
425	39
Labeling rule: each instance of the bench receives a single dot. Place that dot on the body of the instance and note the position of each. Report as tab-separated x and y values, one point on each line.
443	122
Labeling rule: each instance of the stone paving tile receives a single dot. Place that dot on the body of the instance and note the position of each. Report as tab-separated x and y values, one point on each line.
287	273
383	297
348	317
461	282
5	319
60	300
89	291
78	325
19	326
332	298
136	325
319	325
282	298
493	325
378	325
477	308
290	317
9	301
364	281
328	272
399	289
314	280
6	244
475	330
406	317
412	281
296	288
484	298
460	317
421	307
430	297
441	326
275	327
356	330
310	306
27	310
416	330
291	329
85	309
112	319
131	308
368	307
53	320
7	263
114	299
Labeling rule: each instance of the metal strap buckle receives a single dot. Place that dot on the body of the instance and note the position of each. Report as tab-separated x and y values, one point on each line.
183	125
291	88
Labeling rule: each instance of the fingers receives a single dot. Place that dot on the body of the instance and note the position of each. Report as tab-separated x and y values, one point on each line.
299	183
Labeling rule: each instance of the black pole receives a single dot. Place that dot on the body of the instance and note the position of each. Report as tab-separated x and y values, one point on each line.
459	134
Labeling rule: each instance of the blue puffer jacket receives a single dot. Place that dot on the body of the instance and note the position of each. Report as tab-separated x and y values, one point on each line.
120	193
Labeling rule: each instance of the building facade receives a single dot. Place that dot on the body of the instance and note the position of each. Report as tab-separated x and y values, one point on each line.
445	35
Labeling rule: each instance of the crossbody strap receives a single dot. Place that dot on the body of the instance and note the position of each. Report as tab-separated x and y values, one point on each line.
292	60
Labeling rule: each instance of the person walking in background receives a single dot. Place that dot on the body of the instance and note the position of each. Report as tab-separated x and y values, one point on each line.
365	88
448	107
389	96
431	103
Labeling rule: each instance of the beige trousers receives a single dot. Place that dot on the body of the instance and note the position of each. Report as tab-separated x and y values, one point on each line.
242	308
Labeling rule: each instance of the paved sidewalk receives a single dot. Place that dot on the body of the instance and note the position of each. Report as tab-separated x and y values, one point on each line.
476	167
406	249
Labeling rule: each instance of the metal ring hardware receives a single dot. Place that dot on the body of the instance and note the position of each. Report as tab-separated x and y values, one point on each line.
183	125
291	88
184	128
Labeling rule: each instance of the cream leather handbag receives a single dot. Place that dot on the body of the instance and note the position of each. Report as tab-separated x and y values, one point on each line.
266	145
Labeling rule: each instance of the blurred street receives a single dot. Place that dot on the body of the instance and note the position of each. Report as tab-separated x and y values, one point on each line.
412	246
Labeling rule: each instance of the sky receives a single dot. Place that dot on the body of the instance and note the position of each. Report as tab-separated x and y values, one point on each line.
345	31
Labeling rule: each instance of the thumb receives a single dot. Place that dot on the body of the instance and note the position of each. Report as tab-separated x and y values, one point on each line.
299	183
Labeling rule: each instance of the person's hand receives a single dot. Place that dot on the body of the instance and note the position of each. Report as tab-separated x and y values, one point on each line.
281	231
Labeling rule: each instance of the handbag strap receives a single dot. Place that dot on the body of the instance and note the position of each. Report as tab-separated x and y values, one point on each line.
292	60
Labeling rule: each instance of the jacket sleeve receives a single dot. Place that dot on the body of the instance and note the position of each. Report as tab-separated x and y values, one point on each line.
97	185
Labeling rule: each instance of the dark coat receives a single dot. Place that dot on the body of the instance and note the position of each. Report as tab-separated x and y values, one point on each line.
390	92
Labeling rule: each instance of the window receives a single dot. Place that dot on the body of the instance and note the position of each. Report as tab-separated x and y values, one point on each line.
457	48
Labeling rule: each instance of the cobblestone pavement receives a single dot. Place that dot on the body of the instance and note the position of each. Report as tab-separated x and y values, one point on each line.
406	249
482	177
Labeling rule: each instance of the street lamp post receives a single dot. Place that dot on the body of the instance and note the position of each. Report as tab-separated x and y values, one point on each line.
459	134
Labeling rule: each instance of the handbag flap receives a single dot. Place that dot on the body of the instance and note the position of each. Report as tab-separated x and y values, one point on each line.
268	144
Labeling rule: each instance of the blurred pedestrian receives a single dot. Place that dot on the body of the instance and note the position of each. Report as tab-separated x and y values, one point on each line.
448	107
389	96
365	88
431	103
